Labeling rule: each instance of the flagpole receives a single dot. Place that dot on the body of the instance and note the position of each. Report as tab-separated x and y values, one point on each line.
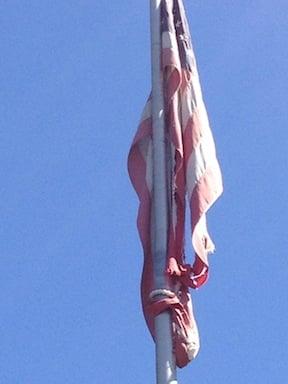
165	359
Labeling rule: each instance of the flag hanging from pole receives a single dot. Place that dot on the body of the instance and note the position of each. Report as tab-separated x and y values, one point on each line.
193	175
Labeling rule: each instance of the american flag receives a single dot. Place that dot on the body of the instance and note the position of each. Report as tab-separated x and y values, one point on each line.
194	177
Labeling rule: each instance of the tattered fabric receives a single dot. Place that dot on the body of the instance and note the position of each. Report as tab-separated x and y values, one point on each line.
194	177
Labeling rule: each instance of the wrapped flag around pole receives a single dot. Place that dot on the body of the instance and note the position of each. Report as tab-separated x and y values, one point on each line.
173	160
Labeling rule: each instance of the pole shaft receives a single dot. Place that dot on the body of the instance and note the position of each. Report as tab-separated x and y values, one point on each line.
165	360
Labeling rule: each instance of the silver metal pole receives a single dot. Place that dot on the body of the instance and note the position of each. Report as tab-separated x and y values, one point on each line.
165	360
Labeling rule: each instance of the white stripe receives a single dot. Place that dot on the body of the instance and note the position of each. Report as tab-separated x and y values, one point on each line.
196	87
191	100
188	106
201	158
169	41
195	169
146	114
146	149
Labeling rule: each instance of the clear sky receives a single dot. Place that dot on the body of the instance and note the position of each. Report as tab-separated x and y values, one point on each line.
74	77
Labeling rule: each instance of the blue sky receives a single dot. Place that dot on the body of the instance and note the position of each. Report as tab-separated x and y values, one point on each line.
74	78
